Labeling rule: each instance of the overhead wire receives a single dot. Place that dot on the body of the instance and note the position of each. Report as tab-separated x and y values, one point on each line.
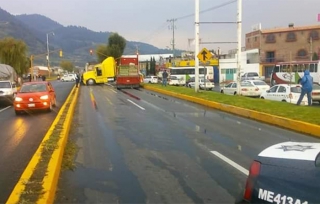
160	28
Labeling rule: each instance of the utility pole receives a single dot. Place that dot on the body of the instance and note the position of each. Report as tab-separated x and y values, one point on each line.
311	49
239	46
173	39
197	38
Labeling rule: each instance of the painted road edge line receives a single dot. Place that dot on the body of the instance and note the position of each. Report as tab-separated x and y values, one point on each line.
3	109
136	104
26	175
50	181
290	124
232	163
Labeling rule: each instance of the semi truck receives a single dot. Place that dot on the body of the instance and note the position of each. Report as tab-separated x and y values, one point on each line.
100	73
128	73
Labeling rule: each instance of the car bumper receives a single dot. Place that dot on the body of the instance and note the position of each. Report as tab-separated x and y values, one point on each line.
43	105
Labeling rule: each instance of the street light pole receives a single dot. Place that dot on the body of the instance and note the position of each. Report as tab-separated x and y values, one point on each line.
239	45
48	61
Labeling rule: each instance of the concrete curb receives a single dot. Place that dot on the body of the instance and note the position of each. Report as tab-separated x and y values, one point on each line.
295	125
51	179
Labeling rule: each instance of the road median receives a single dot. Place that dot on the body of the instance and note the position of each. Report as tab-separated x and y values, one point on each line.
291	124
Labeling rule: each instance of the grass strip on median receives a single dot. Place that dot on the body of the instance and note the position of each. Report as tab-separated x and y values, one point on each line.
30	187
287	110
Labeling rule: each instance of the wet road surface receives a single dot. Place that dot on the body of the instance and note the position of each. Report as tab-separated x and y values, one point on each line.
20	136
137	146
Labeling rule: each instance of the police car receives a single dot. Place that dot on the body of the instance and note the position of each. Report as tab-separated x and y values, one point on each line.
288	172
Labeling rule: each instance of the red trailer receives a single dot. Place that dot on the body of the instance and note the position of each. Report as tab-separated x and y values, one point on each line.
128	73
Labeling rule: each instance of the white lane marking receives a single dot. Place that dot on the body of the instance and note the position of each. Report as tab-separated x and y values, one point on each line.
135	104
232	163
113	91
5	108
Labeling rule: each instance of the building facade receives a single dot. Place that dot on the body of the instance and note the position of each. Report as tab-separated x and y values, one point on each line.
228	66
284	44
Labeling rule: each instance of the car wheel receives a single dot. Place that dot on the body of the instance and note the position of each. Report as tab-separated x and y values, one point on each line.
262	97
235	93
189	85
221	91
90	82
284	100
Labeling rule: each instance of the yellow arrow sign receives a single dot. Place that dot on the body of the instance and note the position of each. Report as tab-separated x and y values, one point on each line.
204	55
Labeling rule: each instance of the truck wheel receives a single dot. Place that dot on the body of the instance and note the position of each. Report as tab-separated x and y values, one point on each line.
90	82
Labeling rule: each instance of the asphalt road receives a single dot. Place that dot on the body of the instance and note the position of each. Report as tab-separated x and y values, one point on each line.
20	136
143	147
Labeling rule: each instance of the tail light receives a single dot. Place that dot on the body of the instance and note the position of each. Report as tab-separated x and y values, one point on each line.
253	174
244	89
290	96
257	89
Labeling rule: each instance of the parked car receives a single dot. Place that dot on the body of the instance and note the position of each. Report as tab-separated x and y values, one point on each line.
252	76
285	92
191	79
246	89
68	77
316	93
173	80
261	85
8	91
36	95
204	84
150	79
287	172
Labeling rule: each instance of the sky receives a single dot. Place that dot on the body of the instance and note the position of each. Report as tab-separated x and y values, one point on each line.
147	20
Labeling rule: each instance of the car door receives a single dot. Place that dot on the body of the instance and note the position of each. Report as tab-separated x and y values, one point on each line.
271	94
228	88
281	93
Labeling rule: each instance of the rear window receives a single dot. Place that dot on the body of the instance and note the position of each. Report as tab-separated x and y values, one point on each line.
316	87
5	85
173	77
246	84
259	83
296	89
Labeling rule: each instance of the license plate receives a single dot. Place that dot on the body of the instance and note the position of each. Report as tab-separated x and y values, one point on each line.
31	105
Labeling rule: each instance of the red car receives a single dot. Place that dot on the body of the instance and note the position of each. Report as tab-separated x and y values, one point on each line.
37	95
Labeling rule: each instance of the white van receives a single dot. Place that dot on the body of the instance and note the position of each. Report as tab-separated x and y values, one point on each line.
8	91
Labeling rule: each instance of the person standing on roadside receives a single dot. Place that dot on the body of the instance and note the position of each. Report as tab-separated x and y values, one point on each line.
306	82
164	78
77	79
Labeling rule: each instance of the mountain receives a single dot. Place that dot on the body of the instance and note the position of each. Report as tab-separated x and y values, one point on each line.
75	41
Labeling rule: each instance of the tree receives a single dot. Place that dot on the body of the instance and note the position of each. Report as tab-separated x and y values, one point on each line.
102	52
147	68
67	65
13	52
116	46
315	56
152	66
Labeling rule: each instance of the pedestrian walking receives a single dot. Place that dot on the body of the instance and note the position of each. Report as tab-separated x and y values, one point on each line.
306	82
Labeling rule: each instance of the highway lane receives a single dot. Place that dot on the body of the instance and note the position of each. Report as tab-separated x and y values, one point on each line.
20	137
144	147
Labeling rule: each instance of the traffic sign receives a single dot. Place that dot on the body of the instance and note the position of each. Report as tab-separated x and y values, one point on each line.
204	55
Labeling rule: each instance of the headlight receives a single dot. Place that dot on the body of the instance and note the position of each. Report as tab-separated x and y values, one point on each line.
44	97
18	99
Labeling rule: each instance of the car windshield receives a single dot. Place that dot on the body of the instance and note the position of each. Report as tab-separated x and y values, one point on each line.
259	83
30	88
5	84
296	89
